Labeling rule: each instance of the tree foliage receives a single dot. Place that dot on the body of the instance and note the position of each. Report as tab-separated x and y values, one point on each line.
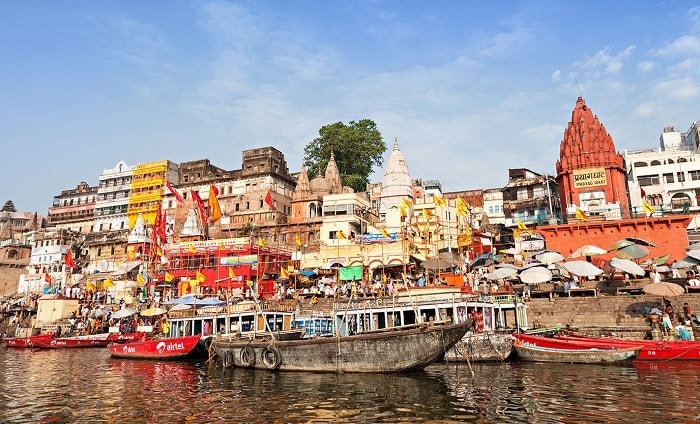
358	147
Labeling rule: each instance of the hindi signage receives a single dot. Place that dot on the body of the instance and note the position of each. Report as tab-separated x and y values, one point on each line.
590	177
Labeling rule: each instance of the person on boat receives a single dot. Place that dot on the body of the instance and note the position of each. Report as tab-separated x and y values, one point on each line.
58	331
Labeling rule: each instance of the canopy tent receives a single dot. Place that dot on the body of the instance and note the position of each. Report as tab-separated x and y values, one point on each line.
351	272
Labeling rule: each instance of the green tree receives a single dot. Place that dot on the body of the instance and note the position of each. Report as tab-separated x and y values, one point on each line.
358	147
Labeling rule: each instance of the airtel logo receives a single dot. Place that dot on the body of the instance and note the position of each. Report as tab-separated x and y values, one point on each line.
160	347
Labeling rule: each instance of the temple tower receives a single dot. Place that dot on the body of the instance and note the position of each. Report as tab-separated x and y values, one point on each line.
590	172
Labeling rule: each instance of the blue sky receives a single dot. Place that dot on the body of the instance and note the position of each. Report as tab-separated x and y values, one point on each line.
469	89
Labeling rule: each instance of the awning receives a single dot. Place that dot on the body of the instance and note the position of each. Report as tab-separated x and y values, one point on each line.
419	257
125	268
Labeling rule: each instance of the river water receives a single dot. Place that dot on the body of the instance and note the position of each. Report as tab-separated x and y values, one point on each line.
87	386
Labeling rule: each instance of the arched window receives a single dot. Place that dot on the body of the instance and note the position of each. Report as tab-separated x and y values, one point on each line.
680	200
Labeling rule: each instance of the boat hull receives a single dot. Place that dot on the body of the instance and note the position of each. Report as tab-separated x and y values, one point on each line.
97	340
532	353
170	348
652	350
27	342
392	350
481	347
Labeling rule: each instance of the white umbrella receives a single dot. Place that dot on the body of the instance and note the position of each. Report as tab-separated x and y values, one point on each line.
582	268
507	265
694	246
686	262
587	250
536	275
626	265
180	307
501	273
123	313
695	254
550	257
664	289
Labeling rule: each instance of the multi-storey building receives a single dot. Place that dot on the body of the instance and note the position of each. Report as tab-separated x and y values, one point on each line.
668	178
146	191
13	224
530	198
74	210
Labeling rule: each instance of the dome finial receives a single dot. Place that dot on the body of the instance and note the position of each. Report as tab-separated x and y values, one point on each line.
396	143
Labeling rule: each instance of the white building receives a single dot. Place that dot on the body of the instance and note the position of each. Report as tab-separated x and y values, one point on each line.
112	200
668	177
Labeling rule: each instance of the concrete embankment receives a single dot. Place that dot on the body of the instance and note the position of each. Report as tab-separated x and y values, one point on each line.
608	313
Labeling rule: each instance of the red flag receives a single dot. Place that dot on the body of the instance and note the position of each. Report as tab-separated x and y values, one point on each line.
174	192
644	194
268	200
69	259
47	277
200	205
161	228
155	229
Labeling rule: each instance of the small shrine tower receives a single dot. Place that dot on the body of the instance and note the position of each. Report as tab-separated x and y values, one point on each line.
591	174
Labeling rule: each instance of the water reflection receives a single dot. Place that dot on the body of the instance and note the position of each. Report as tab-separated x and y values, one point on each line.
69	386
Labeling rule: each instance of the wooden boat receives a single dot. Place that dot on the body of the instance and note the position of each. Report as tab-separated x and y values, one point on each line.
168	348
529	352
95	340
394	349
481	347
653	350
27	342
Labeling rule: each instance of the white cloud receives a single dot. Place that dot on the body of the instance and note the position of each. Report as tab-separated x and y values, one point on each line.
556	76
645	66
605	63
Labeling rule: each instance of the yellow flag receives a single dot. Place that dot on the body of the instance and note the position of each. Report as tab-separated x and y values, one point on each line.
403	212
521	225
581	215
130	255
406	203
200	278
462	207
108	283
90	286
297	239
648	208
159	252
284	273
261	242
439	200
427	214
140	279
169	277
191	248
385	234
221	246
341	235
231	273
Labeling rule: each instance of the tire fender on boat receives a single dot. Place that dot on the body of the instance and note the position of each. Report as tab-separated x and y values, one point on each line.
271	358
247	356
228	359
207	343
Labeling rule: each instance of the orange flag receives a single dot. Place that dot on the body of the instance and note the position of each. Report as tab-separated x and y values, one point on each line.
214	207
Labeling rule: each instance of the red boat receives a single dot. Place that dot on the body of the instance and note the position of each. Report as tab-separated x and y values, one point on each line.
170	348
97	340
125	337
27	342
653	350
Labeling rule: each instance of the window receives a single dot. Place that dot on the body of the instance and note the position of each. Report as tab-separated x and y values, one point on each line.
668	178
647	180
247	205
694	175
680	176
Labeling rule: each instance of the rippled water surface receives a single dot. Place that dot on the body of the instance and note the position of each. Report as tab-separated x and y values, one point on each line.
87	386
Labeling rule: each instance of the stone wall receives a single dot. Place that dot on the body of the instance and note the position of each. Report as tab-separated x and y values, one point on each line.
604	311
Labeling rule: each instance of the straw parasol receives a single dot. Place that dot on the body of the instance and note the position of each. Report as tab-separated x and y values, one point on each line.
664	289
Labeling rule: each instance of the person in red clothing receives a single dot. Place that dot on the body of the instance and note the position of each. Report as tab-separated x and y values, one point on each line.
686	312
